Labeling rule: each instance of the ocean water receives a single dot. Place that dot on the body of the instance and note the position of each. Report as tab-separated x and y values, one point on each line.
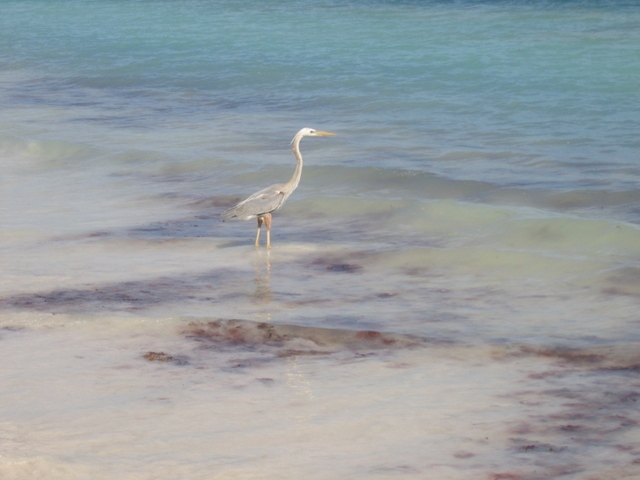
453	290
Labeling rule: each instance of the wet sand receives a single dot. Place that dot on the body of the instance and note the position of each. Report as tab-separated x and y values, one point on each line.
221	398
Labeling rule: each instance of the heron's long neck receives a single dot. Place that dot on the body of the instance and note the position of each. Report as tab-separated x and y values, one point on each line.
295	179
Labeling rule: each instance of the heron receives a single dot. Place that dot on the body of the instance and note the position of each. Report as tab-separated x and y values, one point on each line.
262	204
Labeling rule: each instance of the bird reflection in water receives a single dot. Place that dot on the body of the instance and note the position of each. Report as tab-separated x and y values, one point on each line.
262	268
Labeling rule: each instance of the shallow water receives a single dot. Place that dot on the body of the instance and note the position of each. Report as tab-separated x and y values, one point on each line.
453	290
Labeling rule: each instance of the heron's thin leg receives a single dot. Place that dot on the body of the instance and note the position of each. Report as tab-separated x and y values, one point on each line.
267	222
258	234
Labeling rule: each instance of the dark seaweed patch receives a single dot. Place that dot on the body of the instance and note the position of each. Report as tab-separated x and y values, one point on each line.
293	340
570	355
340	263
165	357
623	358
12	328
336	266
463	454
157	357
129	296
344	267
507	476
386	295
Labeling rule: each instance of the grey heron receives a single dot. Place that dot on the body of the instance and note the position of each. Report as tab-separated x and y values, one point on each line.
262	204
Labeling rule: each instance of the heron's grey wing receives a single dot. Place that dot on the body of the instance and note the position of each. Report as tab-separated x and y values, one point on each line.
260	203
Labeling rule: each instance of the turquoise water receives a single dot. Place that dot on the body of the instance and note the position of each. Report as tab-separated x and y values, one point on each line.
454	287
534	93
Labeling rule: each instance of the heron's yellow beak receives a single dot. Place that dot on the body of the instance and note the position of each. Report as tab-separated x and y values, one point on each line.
320	133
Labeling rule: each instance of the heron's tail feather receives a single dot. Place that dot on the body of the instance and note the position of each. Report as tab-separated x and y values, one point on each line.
229	214
242	211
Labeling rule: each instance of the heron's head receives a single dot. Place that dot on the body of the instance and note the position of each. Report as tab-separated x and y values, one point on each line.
311	132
